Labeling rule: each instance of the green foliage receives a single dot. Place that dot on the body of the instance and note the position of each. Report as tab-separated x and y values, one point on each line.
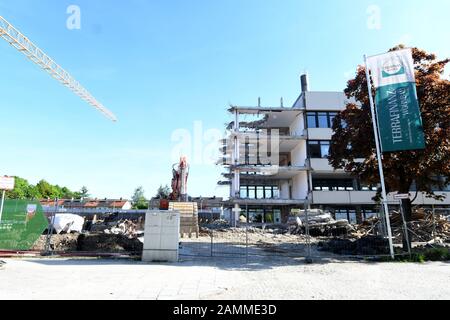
421	255
139	200
163	192
437	254
83	193
43	190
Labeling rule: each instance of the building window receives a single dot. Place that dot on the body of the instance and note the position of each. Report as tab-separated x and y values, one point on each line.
341	215
244	193
259	192
275	193
324	148
346	214
333	185
318	149
312	120
369	213
268	192
332	116
320	119
323	120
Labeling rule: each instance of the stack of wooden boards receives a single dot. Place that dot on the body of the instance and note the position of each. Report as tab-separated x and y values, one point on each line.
188	217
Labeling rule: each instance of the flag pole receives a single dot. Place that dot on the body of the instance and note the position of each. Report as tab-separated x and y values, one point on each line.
380	161
2	202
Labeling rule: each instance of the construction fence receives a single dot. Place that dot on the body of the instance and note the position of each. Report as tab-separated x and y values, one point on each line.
311	234
315	234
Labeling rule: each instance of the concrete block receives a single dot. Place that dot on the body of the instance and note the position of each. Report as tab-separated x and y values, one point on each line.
159	256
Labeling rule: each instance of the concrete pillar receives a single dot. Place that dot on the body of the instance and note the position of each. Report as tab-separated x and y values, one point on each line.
236	214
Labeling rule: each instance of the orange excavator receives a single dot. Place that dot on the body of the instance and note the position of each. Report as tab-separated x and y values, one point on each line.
180	173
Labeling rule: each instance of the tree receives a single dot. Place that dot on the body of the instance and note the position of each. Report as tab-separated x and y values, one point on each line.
43	190
163	192
82	194
353	138
66	193
139	200
46	190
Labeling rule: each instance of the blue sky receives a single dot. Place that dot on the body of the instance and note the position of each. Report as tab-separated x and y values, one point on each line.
160	66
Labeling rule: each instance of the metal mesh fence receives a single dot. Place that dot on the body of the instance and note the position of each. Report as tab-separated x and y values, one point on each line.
308	235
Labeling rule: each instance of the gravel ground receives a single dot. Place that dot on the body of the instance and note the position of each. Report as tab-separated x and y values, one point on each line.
221	279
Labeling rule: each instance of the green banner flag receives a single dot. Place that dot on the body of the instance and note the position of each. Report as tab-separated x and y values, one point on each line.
397	105
23	222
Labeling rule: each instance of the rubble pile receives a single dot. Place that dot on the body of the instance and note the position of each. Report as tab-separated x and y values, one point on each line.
92	243
320	225
126	228
424	227
215	225
58	242
122	236
365	238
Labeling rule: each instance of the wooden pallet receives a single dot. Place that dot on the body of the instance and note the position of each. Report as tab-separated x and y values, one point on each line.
188	217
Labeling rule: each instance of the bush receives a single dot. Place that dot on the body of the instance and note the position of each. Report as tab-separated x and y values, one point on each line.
437	254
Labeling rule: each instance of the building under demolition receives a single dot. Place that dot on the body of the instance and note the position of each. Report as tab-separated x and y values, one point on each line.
276	163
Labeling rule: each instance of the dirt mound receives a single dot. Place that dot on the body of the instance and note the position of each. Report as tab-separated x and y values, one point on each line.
108	243
97	243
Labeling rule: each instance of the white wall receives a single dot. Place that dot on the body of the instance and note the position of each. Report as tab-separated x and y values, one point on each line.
298	126
326	101
300	186
127	206
299	154
284	190
320	133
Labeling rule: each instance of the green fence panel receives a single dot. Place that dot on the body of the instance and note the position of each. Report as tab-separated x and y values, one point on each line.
23	222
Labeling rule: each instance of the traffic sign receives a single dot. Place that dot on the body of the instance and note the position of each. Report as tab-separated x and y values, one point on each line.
6	183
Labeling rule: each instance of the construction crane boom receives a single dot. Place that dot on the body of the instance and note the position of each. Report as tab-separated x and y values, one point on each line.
32	52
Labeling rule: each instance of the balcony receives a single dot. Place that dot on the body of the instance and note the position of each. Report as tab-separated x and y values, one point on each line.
322	166
269	172
266	202
343	197
320	133
331	101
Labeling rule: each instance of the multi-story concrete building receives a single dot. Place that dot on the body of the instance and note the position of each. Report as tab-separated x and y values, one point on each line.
276	160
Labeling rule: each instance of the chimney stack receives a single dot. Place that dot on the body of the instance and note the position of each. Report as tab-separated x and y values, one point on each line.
305	82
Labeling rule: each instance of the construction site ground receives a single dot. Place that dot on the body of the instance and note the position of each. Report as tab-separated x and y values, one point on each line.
260	278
